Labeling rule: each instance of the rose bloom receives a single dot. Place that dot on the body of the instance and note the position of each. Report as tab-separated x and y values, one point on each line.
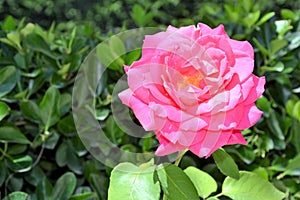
194	87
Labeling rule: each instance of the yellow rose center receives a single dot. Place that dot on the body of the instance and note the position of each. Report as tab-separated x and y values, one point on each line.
191	80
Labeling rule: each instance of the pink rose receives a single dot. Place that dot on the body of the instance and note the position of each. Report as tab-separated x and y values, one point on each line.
194	87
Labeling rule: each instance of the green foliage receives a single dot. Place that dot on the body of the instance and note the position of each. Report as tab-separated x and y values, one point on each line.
139	182
176	184
250	187
203	182
41	156
226	164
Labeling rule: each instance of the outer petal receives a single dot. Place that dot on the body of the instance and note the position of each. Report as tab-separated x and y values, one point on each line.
251	115
166	147
140	109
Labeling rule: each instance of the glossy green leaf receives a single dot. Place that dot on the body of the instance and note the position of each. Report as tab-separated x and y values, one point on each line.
8	79
261	172
290	106
176	184
44	189
226	164
30	110
65	103
203	182
37	43
49	107
295	136
277	45
20	164
98	183
51	140
252	18
64	187
265	18
102	114
288	14
35	176
274	125
16	196
282	26
66	126
21	63
4	110
139	183
61	155
12	135
250	186
293	167
296	110
263	104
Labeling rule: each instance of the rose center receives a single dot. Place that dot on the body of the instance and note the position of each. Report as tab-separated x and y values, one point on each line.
194	79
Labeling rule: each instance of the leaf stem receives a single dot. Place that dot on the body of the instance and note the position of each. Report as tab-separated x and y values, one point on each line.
181	154
218	195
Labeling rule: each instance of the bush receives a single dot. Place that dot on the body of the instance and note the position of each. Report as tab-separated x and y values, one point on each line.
41	153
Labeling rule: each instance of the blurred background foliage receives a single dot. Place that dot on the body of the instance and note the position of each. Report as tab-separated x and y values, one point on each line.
43	43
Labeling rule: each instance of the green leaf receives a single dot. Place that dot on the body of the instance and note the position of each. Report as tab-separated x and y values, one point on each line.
282	26
226	164
66	126
250	186
4	110
37	43
251	18
108	57
65	103
277	44
265	18
64	187
203	182
51	139
274	125
261	172
21	63
117	45
287	14
263	104
102	114
20	164
8	79
49	107
35	176
293	167
61	155
44	189
3	171
9	24
30	110
98	184
262	49
138	15
12	135
296	110
16	196
84	196
139	183
176	184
